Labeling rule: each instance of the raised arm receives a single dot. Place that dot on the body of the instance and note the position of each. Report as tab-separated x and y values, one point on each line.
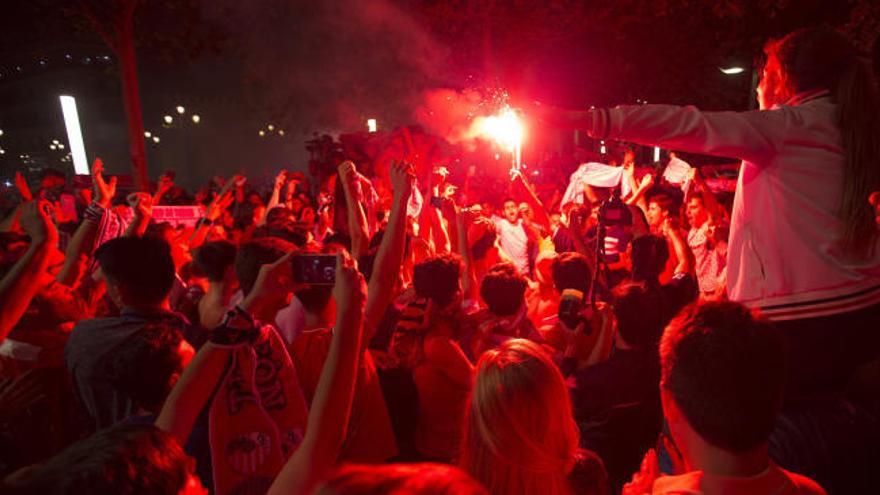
389	258
19	286
212	213
682	251
83	241
713	207
357	218
275	199
532	198
331	407
463	220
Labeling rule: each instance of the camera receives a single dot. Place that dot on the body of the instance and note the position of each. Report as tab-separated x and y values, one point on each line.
571	308
314	269
614	212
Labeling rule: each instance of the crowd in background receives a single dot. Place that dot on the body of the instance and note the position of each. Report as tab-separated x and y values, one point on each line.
475	340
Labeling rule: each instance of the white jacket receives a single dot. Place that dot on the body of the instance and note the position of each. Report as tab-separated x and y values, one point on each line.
784	255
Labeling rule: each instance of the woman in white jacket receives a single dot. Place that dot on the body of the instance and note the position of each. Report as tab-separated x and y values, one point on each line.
803	245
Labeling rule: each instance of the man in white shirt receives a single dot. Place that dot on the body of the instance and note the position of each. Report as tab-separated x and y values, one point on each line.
513	237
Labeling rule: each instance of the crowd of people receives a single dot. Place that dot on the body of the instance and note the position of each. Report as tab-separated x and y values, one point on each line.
634	339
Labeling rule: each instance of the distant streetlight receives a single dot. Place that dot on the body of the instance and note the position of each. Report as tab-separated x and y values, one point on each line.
60	146
168	119
54	141
196	119
1	132
155	139
74	134
53	147
180	109
371	125
262	133
270	127
280	132
148	134
730	71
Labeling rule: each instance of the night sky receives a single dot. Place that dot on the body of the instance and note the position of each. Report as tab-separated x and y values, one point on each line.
308	67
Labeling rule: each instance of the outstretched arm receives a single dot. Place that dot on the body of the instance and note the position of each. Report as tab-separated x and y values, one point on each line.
389	258
331	407
19	286
83	241
532	198
357	218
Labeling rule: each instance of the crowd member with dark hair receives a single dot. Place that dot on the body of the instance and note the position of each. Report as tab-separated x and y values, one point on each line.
145	366
505	317
616	401
135	459
216	261
722	377
140	290
424	344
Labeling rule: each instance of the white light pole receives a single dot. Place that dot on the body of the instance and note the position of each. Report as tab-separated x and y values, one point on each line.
74	135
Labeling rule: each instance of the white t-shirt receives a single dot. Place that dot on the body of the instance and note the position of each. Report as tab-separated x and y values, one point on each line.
514	242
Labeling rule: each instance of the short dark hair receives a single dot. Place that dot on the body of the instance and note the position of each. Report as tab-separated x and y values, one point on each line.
253	255
649	256
572	271
314	298
724	367
279	213
437	278
638	310
125	458
141	266
340	238
213	259
664	201
286	230
503	289
140	367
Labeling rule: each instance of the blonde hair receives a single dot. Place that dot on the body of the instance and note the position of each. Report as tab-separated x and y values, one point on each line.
520	435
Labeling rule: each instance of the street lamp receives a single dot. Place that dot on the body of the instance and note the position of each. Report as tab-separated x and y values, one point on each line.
155	139
180	109
730	71
148	134
168	119
196	119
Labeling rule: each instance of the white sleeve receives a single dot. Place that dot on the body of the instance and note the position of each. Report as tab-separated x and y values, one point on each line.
752	136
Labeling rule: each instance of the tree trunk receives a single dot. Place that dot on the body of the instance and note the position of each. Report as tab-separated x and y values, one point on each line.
132	101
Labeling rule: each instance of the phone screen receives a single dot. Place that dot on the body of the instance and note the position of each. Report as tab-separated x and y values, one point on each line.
314	269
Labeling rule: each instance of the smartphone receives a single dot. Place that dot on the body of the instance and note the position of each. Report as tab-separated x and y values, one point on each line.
314	269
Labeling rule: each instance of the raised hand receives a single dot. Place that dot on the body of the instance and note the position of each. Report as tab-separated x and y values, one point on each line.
350	290
36	220
104	191
141	203
280	179
647	181
402	178
22	187
218	206
273	279
347	173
